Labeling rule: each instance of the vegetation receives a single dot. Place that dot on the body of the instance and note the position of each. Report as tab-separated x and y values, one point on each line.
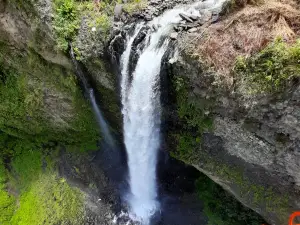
98	16
264	198
7	201
66	21
43	197
134	5
28	89
271	70
221	208
195	119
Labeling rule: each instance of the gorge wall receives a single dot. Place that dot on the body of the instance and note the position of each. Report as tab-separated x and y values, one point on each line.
232	90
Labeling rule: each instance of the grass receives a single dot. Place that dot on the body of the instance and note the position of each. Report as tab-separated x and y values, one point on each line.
272	70
134	5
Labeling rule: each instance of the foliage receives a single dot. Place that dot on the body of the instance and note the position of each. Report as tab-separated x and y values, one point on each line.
66	21
270	71
221	208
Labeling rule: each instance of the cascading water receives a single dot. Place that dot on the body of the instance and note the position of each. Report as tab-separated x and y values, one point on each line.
90	92
141	107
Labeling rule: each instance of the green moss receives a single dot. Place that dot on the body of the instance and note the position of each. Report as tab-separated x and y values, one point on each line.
29	88
270	71
43	197
7	201
257	196
194	120
221	208
49	200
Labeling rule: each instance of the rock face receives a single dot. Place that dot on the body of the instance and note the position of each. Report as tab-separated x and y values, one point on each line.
41	98
252	147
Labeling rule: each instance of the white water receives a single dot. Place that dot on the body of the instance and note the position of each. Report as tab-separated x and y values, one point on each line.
141	109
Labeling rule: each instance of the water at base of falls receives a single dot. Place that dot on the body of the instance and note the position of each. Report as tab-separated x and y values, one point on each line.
141	108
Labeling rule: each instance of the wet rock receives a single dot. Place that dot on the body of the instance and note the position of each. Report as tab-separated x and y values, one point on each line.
185	17
155	27
174	35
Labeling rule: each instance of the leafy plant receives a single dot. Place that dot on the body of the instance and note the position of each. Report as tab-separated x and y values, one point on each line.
270	71
66	21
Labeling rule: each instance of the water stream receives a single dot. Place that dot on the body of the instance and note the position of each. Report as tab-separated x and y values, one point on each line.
142	108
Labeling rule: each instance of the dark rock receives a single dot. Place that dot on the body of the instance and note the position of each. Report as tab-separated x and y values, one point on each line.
155	27
137	46
2	6
177	28
185	17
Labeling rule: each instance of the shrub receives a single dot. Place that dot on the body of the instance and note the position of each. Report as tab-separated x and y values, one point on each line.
66	21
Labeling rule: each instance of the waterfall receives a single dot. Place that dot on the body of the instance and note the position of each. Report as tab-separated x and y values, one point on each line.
96	109
141	106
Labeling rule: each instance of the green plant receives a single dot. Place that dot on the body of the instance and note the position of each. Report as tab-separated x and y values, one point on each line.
66	22
270	71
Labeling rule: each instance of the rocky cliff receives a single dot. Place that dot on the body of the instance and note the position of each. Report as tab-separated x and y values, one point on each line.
234	110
